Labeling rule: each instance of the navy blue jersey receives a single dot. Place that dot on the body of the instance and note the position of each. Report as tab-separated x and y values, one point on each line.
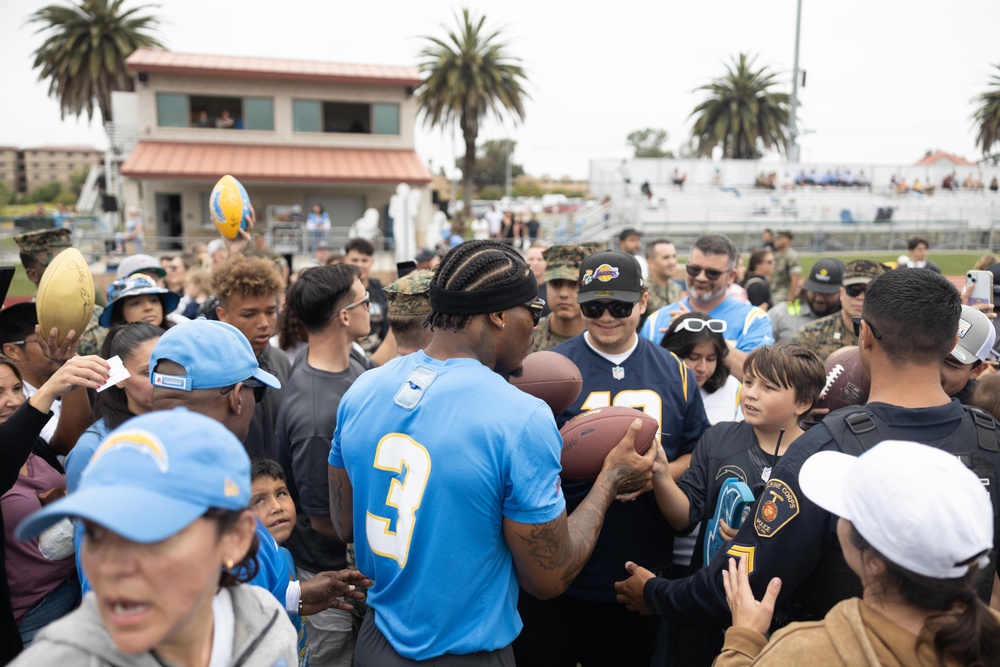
657	382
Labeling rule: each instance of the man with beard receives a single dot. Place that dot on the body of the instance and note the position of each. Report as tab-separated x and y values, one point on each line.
822	297
828	334
711	269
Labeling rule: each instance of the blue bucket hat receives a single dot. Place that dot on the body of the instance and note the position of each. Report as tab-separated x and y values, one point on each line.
153	476
214	355
135	285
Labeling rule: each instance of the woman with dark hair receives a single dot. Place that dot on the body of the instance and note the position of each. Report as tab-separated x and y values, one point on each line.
138	298
757	281
919	561
697	340
37	584
167	583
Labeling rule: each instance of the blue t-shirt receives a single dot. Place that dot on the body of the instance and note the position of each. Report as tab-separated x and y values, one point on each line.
79	456
746	325
439	453
655	381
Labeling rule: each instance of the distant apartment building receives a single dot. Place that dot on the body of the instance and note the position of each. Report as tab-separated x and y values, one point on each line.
24	169
293	132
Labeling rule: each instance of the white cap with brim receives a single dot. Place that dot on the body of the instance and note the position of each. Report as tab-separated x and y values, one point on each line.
887	494
976	336
153	476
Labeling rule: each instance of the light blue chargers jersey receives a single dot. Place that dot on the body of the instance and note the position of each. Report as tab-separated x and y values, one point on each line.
746	325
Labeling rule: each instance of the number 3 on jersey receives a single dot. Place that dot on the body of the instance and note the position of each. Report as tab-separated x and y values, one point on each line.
393	453
646	400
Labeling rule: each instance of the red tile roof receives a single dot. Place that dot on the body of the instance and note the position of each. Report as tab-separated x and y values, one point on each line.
158	60
941	155
162	159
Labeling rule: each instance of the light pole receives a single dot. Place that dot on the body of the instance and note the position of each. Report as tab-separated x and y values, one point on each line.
793	127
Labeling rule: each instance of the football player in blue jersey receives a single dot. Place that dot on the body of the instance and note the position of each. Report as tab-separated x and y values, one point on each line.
586	625
446	476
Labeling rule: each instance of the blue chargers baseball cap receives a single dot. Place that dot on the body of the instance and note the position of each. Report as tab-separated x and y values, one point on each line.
214	355
153	476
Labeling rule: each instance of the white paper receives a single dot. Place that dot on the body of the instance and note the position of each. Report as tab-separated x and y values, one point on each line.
118	373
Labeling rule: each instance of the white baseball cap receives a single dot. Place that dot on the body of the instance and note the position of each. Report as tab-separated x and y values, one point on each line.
976	336
886	494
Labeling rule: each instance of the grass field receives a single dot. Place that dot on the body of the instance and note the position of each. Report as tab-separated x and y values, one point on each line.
951	263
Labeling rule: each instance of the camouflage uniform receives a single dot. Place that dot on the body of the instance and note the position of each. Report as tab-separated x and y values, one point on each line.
44	245
662	296
410	295
785	265
544	338
826	335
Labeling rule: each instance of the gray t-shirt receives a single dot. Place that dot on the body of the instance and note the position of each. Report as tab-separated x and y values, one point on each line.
788	317
302	439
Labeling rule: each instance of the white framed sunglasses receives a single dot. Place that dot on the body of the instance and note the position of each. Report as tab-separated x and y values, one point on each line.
694	325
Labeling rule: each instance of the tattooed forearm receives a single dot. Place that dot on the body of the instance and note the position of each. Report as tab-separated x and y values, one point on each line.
341	503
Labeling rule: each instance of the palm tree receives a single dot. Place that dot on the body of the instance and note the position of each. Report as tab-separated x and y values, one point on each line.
467	75
987	117
83	55
742	113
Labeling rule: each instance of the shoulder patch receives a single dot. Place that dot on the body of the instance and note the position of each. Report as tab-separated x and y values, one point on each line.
778	506
738	550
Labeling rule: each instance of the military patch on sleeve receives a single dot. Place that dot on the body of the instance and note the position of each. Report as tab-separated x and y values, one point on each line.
738	550
777	507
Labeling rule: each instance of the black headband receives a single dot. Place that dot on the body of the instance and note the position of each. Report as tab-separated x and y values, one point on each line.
480	302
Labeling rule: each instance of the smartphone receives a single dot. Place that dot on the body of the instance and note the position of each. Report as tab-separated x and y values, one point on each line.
409	266
6	275
982	287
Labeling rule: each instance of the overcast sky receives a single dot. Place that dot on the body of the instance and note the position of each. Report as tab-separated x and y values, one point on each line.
886	79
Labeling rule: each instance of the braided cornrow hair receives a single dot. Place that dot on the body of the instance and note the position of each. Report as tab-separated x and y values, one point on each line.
472	266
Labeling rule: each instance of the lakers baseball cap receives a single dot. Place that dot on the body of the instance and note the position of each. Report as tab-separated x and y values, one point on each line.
976	336
825	277
610	275
884	493
214	355
153	476
136	263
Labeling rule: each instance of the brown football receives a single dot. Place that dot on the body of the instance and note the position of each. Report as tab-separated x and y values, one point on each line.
846	382
551	377
588	437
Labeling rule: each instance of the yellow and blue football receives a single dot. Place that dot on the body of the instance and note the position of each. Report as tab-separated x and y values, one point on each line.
229	206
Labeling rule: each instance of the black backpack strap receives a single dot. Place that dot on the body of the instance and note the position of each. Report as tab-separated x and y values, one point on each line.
985	429
860	423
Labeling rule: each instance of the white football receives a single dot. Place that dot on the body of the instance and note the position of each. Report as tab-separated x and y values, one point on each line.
65	295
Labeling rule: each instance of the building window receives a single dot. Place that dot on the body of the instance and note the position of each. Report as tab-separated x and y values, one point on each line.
259	113
171	110
344	117
385	118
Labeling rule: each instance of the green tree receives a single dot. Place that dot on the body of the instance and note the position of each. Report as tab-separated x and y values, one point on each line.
45	193
83	56
468	75
648	143
491	163
987	118
77	180
742	112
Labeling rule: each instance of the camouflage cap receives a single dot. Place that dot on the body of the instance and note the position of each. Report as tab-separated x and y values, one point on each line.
861	271
562	262
410	295
44	244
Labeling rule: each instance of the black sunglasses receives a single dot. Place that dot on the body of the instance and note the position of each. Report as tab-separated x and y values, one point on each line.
693	271
259	389
856	321
618	309
536	306
855	291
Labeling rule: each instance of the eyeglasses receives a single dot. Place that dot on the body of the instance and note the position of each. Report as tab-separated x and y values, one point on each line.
536	306
693	271
25	341
857	328
694	325
618	309
259	389
854	291
365	301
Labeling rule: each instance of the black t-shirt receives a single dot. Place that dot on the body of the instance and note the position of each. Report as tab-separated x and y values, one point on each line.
728	450
795	539
260	437
302	439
